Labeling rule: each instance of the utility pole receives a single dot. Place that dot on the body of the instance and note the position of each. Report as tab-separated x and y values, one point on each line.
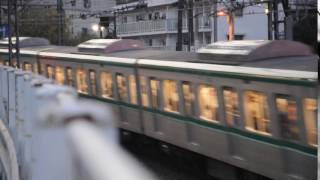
214	25
179	28
10	34
1	13
275	20
60	23
17	33
190	25
269	14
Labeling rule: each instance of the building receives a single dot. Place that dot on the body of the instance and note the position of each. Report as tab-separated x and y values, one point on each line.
80	15
155	22
85	16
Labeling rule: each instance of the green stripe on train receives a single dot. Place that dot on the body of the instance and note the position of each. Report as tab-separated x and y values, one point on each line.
263	139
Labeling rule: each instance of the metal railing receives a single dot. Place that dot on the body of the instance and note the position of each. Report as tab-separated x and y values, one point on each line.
47	132
156	26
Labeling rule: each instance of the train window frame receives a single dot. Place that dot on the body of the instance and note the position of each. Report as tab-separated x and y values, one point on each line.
82	84
43	69
36	68
122	87
132	85
261	122
50	72
106	84
170	97
311	127
227	105
60	76
288	121
143	83
27	67
70	77
155	92
213	104
189	98
93	82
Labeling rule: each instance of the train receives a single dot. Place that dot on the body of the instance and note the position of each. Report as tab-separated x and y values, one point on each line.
250	104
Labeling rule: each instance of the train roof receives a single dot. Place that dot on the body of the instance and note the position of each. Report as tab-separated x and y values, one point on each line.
110	45
304	60
25	42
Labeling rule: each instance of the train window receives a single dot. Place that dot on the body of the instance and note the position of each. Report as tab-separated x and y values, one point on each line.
257	112
1	62
93	82
188	96
287	114
82	81
27	66
42	68
231	105
310	119
60	75
208	103
69	77
144	91
6	63
155	93
106	85
133	89
35	68
50	72
171	96
122	87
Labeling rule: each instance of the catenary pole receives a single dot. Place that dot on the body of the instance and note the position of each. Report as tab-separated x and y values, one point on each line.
180	35
17	44
9	34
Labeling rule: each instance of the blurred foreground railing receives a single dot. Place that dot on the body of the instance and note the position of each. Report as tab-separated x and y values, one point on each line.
48	133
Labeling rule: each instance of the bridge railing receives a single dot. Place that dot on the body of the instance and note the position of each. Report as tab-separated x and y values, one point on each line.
47	132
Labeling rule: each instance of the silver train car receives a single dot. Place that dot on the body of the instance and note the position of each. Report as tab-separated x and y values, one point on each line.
249	104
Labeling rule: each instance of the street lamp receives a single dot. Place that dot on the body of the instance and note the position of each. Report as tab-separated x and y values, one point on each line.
95	27
98	28
230	20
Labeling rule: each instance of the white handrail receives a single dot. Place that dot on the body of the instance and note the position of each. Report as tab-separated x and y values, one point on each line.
50	130
11	167
102	158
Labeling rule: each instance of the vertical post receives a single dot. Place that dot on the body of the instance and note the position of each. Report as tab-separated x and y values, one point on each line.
0	13
214	33
100	30
190	24
10	34
115	25
60	22
230	19
269	14
196	29
275	20
179	28
17	33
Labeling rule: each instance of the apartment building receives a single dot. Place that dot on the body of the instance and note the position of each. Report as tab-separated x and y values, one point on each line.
155	22
85	15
